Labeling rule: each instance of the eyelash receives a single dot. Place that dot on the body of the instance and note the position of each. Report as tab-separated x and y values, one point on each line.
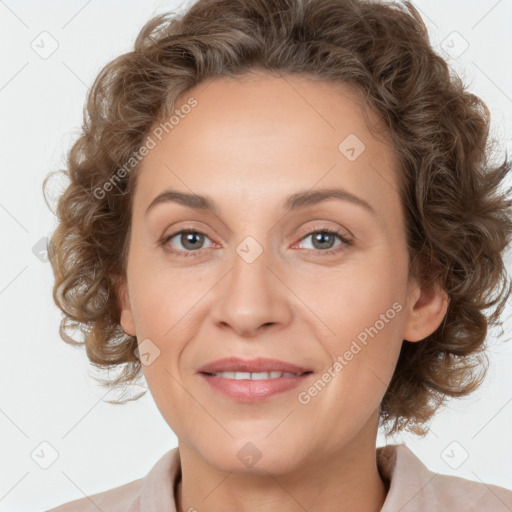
343	246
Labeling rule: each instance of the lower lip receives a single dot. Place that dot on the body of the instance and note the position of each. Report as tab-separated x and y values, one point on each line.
253	390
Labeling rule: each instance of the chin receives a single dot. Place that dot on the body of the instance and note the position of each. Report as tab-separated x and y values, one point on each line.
252	454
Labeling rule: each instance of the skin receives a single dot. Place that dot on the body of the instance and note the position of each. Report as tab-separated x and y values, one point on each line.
248	145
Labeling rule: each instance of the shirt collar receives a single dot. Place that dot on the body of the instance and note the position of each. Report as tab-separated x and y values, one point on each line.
410	479
156	494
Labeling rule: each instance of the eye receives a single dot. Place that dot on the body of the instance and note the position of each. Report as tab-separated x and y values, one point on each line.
323	240
190	240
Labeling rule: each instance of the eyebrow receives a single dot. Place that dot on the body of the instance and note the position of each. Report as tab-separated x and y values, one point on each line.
295	202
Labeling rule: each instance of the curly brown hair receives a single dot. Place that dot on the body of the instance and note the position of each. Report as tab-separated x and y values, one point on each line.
459	221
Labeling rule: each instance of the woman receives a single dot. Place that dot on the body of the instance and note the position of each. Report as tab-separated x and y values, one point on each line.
264	130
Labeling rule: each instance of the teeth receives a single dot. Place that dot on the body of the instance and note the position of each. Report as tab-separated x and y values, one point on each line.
255	376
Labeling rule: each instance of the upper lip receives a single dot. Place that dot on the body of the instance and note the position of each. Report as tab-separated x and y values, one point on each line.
261	364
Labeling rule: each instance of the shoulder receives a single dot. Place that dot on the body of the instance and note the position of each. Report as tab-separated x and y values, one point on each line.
156	489
415	488
453	492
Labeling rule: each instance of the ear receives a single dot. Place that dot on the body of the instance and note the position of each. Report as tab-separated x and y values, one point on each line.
426	309
123	300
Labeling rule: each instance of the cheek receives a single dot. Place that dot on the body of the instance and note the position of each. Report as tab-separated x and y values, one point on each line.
167	393
165	317
154	297
358	296
363	308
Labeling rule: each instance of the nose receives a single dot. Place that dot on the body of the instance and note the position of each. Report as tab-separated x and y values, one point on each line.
252	297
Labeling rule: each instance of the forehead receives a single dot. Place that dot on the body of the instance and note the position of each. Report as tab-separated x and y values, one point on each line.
265	136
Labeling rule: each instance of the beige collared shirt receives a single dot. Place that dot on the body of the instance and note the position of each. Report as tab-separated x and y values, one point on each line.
413	488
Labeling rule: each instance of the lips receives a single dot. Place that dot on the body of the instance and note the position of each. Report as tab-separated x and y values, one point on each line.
255	380
235	364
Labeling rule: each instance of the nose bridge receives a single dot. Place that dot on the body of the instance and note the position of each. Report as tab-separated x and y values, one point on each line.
251	295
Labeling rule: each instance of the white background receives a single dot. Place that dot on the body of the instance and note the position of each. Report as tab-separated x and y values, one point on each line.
47	393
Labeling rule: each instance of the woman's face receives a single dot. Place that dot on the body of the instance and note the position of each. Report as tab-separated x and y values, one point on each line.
259	277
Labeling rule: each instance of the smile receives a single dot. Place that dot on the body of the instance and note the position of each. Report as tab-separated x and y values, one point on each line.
252	387
255	375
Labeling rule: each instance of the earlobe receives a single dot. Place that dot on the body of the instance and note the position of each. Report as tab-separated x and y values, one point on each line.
123	300
425	312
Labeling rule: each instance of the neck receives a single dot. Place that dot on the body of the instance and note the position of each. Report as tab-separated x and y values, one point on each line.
346	479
